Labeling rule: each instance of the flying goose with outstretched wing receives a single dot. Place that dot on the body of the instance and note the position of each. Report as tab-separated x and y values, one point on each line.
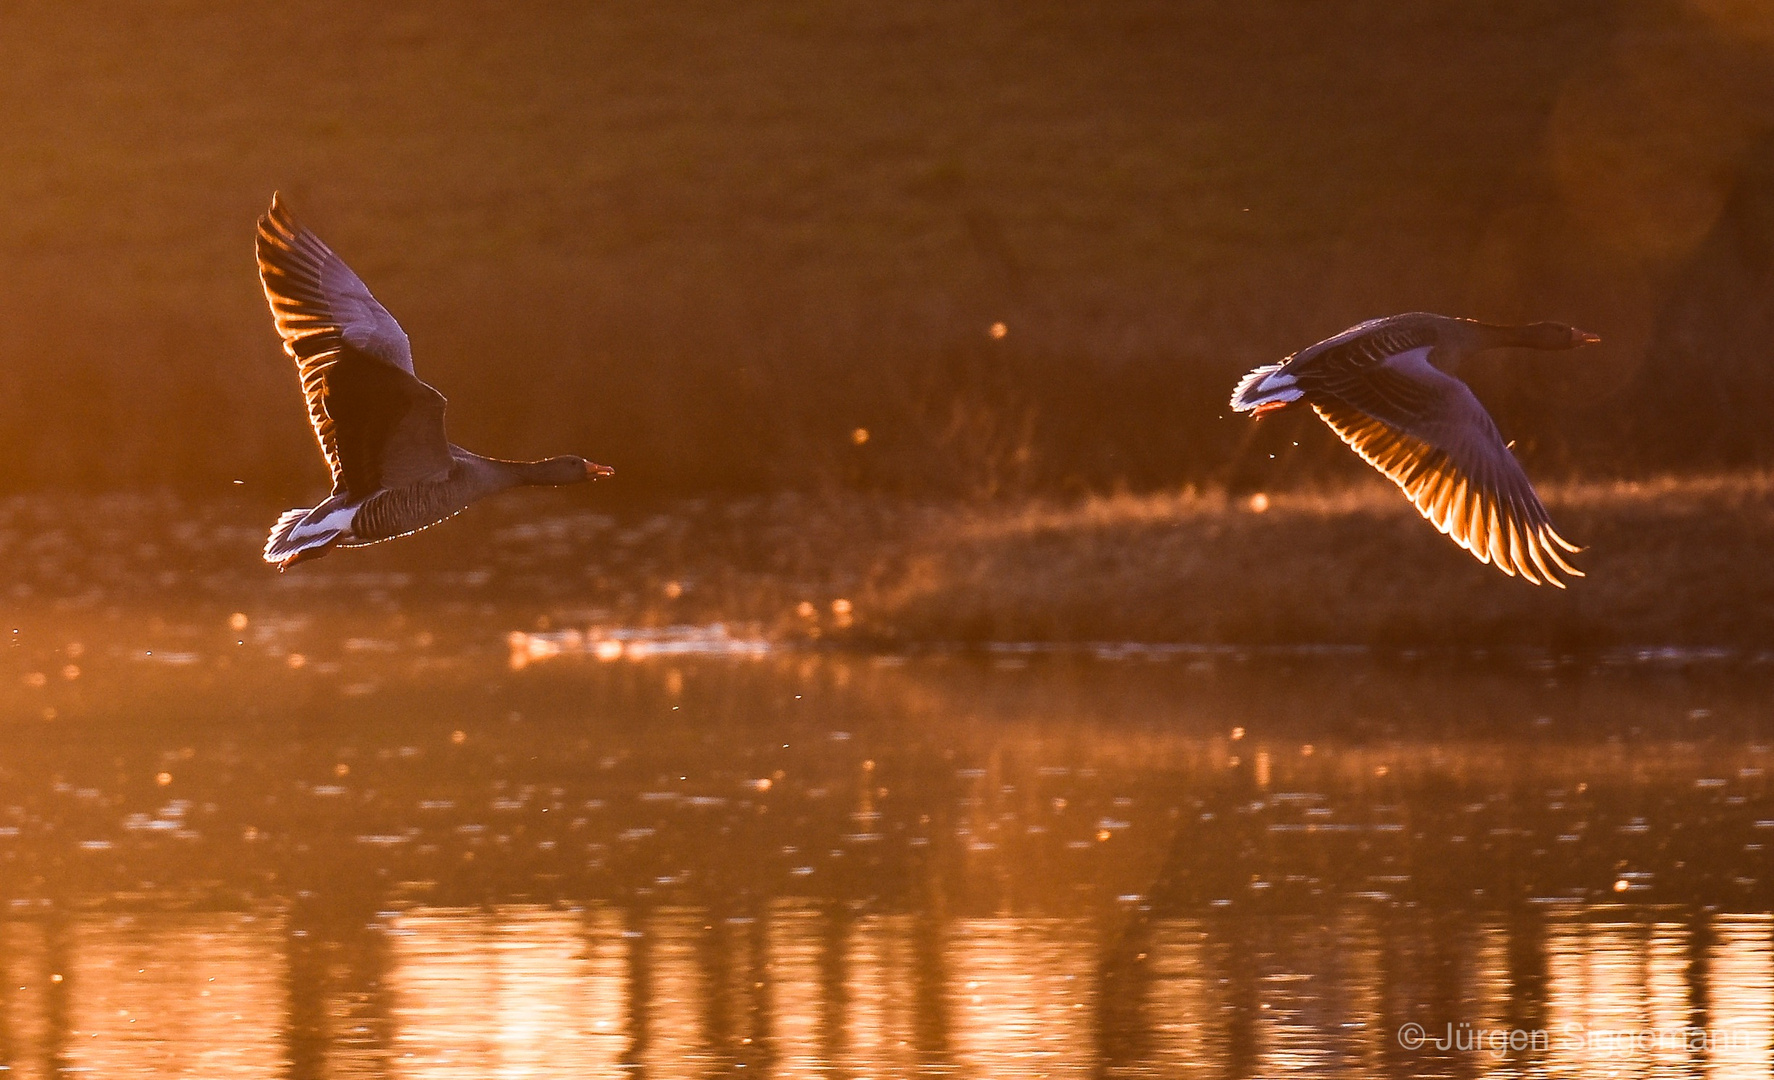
1384	387
381	429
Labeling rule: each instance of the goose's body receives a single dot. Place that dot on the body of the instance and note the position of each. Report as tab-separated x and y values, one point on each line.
380	428
1385	387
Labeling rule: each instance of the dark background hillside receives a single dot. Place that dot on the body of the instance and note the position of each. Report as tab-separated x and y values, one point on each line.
706	241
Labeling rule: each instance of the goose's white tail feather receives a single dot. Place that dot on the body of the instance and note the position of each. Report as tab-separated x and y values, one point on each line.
1266	385
303	530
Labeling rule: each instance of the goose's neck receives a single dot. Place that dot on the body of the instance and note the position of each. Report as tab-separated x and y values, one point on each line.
509	474
487	474
550	472
1527	336
528	473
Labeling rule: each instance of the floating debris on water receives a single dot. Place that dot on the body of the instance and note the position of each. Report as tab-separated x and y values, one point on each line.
631	643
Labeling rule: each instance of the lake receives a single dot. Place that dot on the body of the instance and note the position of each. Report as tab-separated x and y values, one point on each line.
390	846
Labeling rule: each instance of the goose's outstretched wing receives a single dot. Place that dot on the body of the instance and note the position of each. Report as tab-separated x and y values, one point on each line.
1428	434
378	425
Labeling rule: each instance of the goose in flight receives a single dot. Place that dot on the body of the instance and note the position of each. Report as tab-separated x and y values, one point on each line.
1385	388
381	429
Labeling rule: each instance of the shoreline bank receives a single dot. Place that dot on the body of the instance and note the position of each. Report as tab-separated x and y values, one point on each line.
1673	563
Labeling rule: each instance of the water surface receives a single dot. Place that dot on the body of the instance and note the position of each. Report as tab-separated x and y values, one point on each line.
407	849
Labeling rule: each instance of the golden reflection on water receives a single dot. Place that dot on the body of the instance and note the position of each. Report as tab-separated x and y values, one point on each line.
27	991
673	1041
1596	983
793	966
880	1031
176	995
1360	985
1666	1004
1186	1041
1021	996
1489	991
507	994
1741	1004
1080	877
1626	995
532	991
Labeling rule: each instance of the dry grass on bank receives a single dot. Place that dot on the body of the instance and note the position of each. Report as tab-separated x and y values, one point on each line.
1669	562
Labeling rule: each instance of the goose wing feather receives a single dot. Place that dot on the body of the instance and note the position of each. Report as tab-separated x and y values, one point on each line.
1427	433
379	426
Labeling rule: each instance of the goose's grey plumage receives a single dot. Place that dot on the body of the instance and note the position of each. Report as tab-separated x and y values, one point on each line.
380	428
1385	387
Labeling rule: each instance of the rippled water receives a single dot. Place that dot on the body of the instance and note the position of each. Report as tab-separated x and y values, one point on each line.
288	847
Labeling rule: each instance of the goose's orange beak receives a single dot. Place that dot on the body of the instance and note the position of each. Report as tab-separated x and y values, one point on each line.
593	470
1584	337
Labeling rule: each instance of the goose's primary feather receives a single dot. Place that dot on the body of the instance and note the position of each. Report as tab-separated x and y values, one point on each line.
378	425
1380	386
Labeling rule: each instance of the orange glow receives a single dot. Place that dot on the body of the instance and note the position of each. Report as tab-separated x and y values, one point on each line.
1750	19
795	938
1741	998
1021	997
28	1000
516	992
1622	998
1184	1000
880	1031
676	1048
177	995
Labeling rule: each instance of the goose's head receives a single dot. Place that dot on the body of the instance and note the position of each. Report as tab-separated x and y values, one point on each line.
1556	335
567	469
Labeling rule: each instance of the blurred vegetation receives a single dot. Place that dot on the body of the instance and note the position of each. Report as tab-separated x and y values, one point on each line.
1353	565
706	242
